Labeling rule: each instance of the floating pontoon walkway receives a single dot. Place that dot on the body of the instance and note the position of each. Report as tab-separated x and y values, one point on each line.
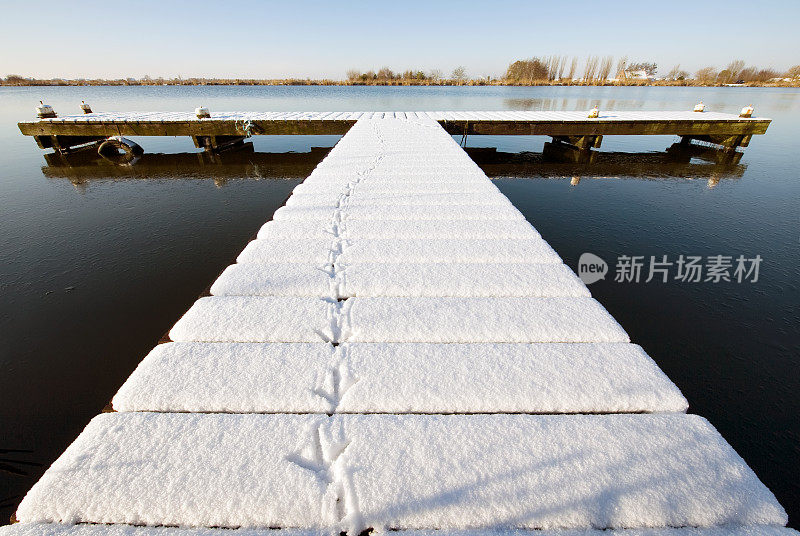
399	350
573	128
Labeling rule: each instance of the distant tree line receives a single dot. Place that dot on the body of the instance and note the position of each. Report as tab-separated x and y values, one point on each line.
556	70
18	80
737	72
386	75
604	69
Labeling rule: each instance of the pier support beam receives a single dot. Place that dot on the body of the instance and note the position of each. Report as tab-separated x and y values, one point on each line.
218	143
684	151
564	152
583	143
728	143
64	144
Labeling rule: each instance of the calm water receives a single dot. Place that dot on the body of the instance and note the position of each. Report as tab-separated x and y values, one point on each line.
96	262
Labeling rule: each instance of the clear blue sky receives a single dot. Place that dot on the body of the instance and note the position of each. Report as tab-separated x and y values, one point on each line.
324	39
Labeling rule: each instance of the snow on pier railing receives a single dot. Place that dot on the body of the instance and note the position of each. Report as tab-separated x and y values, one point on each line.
398	350
687	115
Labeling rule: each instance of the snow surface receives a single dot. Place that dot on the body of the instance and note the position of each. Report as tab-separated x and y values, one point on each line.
551	472
401	471
573	319
464	280
361	229
405	250
431	186
263	319
47	529
307	250
182	469
488	199
300	319
276	279
494	213
391	176
399	378
518	116
448	250
398	279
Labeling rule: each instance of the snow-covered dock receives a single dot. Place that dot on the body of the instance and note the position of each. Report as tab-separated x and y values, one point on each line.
222	129
398	350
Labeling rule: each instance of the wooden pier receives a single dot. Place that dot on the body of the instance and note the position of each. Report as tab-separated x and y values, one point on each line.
399	350
226	128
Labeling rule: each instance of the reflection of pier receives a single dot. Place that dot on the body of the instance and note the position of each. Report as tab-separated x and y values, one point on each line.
243	163
556	160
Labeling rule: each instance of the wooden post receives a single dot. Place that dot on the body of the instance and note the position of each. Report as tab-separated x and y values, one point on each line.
562	152
685	151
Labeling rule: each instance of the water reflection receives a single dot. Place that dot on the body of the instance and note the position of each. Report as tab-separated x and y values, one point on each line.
555	160
10	462
559	160
84	166
563	104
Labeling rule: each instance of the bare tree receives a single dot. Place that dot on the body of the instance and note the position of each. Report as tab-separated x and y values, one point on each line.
649	68
590	72
622	65
754	74
706	74
552	67
793	72
573	67
459	73
15	80
605	68
435	75
765	75
385	73
527	71
561	64
673	73
748	74
733	69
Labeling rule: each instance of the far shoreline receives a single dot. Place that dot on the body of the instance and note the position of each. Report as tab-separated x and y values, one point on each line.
58	82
